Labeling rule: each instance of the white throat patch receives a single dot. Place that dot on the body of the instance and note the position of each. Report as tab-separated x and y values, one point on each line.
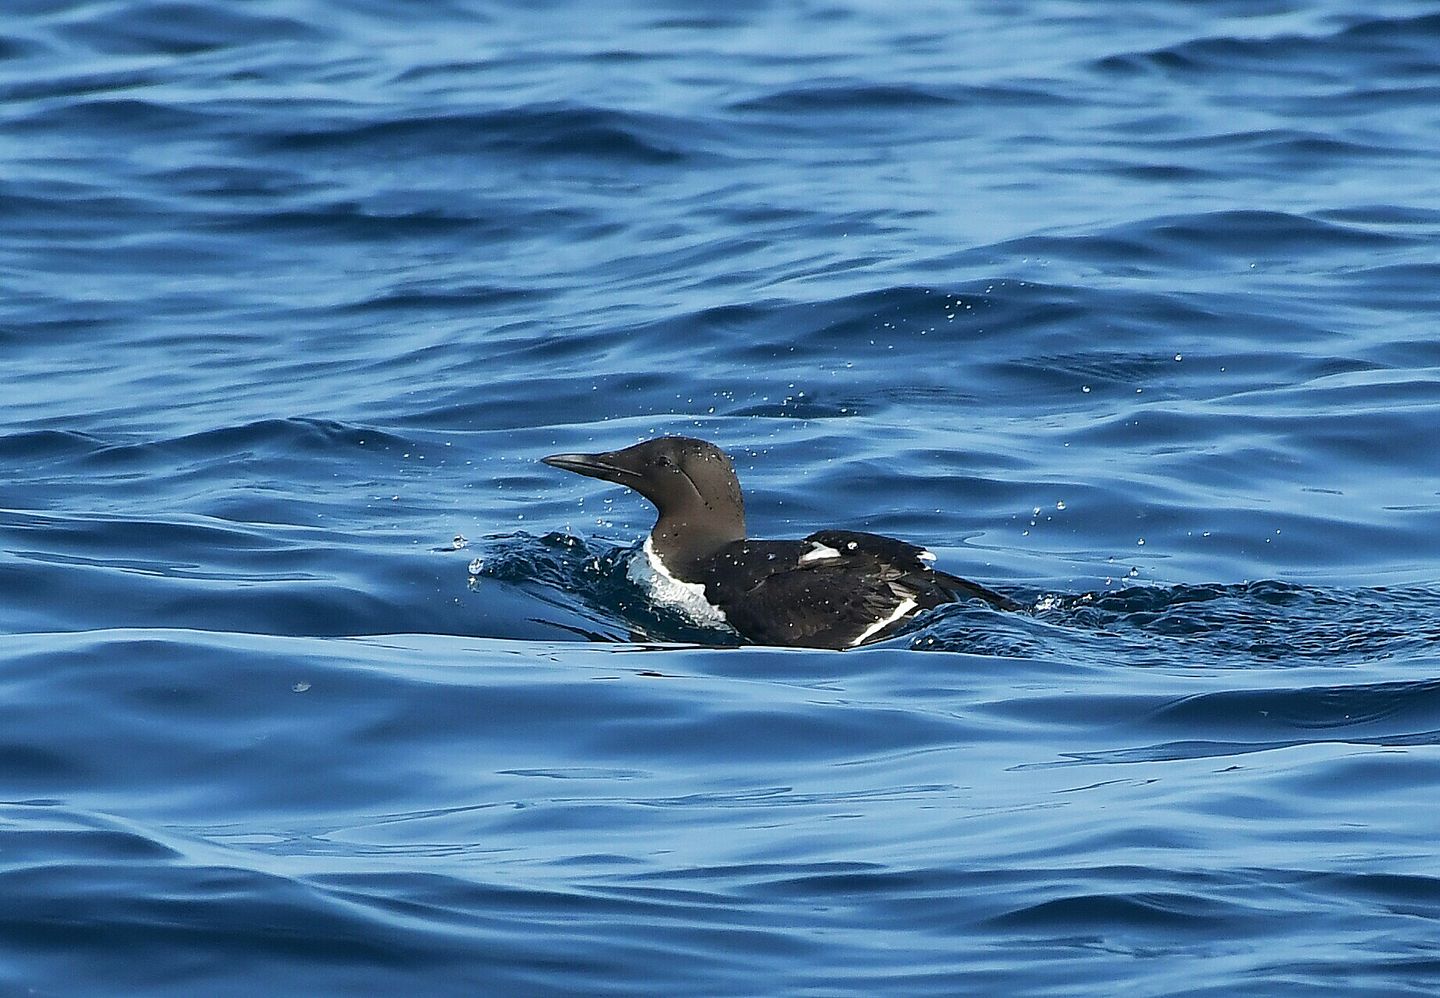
648	572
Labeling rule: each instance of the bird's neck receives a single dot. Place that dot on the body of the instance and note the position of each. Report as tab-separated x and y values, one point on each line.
684	543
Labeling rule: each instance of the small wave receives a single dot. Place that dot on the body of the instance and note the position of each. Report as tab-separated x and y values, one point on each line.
353	221
1252	625
545	130
1405	288
1380	43
1202	56
77	84
266	436
1417	30
1250	234
843	96
42	445
1100	912
115	116
1408	707
14	45
427	296
827	98
178	29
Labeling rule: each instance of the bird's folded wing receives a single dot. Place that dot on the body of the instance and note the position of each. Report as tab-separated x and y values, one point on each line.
822	604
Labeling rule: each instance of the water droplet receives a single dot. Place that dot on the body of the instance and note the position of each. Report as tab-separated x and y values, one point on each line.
476	566
300	687
1060	504
458	541
1085	389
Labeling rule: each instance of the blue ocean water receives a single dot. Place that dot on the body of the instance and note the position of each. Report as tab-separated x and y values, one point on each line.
314	680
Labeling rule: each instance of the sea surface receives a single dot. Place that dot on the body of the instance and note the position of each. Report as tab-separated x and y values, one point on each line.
314	681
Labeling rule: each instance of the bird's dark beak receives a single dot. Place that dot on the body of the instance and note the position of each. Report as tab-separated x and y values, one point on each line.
602	466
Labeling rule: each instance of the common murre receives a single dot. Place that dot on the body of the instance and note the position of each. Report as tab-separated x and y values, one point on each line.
834	589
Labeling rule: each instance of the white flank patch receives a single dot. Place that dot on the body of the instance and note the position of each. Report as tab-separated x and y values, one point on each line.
880	625
819	552
926	556
648	572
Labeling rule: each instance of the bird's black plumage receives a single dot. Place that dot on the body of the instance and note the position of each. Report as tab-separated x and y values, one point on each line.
834	589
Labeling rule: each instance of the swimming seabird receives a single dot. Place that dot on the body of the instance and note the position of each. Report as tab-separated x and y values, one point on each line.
834	589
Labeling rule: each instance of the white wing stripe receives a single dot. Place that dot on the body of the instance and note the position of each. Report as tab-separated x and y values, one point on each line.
880	625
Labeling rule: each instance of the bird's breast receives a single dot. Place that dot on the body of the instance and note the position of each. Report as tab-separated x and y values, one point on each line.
648	572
